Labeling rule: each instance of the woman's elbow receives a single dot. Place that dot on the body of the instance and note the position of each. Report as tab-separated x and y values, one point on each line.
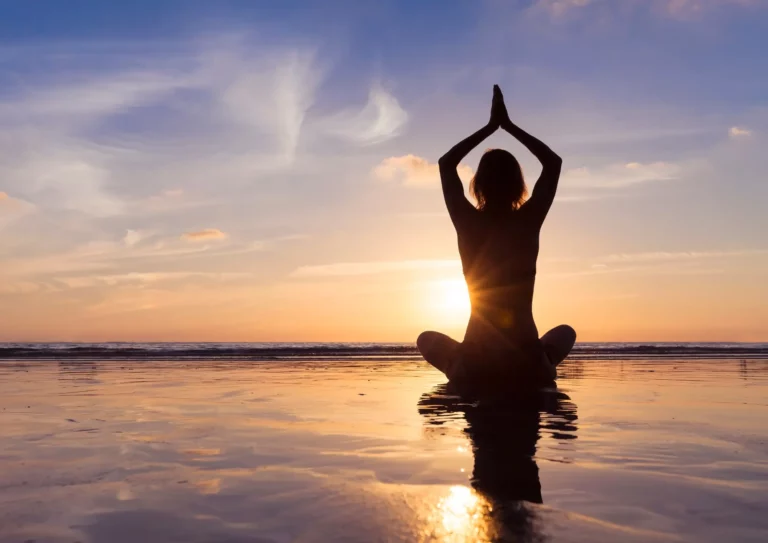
554	162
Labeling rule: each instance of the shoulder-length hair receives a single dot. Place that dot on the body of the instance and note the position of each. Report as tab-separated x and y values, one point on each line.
498	183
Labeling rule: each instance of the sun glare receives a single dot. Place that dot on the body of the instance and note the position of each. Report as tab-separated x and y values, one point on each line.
449	302
454	297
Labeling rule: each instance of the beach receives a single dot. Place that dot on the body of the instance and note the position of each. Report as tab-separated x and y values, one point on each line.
371	446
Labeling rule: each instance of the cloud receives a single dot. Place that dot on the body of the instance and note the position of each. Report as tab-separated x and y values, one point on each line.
601	264
271	92
132	237
558	8
620	175
205	234
49	157
12	209
662	256
381	119
655	263
71	180
371	268
686	8
143	278
738	132
414	171
677	9
108	259
8	204
93	96
61	149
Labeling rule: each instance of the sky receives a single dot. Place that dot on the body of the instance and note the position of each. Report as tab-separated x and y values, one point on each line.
266	171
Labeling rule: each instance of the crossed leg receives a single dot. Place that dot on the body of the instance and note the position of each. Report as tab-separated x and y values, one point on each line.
558	342
444	353
441	351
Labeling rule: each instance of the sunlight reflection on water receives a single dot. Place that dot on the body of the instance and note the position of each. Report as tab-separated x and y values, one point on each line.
462	516
363	451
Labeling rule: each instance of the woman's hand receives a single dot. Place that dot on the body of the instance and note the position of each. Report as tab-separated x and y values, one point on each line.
499	115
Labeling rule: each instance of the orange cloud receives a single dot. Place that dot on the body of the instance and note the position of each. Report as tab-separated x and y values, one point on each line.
414	171
738	132
202	235
12	208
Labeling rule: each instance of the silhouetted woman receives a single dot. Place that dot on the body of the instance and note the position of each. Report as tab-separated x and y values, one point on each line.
499	244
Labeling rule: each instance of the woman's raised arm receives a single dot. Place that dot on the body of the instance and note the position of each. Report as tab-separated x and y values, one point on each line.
453	189
546	186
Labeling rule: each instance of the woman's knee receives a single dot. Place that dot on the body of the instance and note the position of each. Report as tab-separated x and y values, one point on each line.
561	333
425	341
558	342
567	333
435	344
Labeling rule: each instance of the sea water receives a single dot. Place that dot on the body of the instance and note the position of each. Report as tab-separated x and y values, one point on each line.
286	442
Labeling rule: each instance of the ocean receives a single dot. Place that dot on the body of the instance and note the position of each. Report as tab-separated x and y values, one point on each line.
393	351
287	442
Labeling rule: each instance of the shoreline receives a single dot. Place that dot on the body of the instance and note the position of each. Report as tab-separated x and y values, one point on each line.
354	351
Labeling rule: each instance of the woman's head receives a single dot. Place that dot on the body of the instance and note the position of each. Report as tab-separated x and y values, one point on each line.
498	183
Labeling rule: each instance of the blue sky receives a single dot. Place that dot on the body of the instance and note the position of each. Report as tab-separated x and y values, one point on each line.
266	170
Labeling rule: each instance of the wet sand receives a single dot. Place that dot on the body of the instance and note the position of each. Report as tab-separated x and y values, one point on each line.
355	450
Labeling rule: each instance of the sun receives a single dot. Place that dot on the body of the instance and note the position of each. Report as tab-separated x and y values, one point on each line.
452	299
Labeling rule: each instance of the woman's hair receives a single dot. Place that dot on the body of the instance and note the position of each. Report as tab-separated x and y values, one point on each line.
499	182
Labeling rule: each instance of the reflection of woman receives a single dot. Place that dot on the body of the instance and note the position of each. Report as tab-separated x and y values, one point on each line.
499	245
504	438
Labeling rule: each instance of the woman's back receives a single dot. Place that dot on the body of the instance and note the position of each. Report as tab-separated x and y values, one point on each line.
498	255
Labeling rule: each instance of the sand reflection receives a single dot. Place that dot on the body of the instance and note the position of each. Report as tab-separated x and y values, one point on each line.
505	475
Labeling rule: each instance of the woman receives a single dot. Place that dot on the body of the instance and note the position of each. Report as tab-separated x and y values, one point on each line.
499	244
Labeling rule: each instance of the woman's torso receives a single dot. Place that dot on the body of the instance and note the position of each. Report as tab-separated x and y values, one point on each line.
498	256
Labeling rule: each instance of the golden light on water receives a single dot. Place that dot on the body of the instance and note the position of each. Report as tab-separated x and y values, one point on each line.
461	516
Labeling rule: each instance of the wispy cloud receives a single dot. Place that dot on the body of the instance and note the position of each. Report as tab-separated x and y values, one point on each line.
414	171
90	96
204	235
106	263
71	181
229	112
132	237
342	269
739	132
680	255
11	205
169	200
49	159
558	8
599	264
270	93
381	119
136	278
620	175
687	8
659	263
12	209
678	9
